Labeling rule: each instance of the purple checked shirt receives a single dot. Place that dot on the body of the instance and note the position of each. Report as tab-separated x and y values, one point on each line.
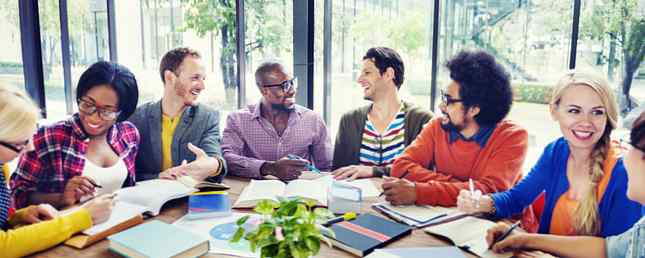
249	140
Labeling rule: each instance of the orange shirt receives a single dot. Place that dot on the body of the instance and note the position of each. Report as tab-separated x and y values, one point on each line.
563	211
441	169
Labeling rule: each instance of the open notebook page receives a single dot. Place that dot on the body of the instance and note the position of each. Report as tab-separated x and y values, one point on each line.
121	212
468	232
257	190
312	189
153	193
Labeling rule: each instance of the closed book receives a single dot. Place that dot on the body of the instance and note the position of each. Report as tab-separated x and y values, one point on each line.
156	239
366	233
208	205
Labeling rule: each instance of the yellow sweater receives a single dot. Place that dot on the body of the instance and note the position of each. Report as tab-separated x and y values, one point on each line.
32	238
168	126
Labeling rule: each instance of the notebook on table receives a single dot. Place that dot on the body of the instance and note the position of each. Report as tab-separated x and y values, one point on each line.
468	233
315	190
366	233
418	216
416	252
158	239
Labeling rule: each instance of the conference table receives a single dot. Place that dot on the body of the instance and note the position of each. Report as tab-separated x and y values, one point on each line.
176	209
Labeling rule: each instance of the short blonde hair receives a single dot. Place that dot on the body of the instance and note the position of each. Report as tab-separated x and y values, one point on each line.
587	220
18	113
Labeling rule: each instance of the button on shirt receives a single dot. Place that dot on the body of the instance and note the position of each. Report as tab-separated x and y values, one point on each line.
249	140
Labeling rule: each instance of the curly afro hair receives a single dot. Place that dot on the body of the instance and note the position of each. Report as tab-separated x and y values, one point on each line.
483	83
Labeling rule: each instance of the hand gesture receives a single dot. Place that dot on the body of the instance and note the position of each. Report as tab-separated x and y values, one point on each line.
76	188
352	172
100	208
285	168
38	213
399	191
515	241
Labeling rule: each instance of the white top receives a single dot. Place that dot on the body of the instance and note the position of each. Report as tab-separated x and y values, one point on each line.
110	179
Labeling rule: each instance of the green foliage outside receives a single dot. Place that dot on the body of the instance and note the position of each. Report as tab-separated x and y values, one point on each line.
289	229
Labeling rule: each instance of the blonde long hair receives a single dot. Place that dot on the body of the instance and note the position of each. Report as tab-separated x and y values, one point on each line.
587	221
18	113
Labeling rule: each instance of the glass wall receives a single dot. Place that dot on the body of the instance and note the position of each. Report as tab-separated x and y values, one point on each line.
357	25
147	29
11	74
49	16
269	35
530	38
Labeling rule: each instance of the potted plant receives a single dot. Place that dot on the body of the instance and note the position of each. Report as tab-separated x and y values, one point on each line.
288	229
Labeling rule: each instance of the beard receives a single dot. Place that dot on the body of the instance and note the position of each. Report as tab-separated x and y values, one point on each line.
450	126
282	107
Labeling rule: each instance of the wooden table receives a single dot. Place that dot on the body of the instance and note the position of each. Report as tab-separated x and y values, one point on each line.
176	209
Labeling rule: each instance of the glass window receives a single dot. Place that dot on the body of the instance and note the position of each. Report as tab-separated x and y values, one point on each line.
269	35
604	46
358	25
147	29
11	74
50	36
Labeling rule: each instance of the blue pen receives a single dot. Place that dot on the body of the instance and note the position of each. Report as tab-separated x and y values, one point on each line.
309	166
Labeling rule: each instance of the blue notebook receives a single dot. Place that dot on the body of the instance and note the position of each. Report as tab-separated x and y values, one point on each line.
208	204
156	239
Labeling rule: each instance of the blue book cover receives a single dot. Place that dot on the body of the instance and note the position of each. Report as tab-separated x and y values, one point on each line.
158	239
208	204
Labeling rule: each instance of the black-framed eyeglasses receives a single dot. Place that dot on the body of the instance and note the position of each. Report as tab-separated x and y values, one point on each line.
285	85
16	147
89	108
445	98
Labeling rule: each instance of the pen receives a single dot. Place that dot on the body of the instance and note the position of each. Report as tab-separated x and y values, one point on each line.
94	183
309	166
503	236
346	216
402	176
472	187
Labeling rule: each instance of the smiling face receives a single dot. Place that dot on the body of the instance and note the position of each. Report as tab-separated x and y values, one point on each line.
581	115
276	96
370	80
102	97
188	82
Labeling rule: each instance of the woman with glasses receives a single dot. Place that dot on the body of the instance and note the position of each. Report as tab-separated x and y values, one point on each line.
92	152
582	174
36	227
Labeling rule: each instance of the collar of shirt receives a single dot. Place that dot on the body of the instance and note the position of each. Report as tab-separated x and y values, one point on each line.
77	128
481	137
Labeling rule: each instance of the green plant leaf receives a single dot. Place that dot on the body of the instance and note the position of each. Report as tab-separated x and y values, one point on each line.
238	235
242	220
313	244
265	207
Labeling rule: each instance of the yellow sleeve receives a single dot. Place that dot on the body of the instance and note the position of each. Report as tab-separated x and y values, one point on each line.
40	236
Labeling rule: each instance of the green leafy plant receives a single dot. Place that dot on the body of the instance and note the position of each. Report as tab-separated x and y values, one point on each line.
289	228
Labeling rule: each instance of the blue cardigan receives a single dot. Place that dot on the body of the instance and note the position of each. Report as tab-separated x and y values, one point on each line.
617	212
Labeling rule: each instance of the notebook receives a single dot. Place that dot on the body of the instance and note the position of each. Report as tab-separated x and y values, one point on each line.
366	233
468	233
124	215
208	205
416	252
315	189
418	216
158	239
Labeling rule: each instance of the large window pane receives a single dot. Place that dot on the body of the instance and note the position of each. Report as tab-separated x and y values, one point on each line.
11	74
48	11
269	35
357	25
147	29
604	43
530	38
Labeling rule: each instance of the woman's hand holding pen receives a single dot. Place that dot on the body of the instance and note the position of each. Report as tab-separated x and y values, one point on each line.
516	240
76	188
472	201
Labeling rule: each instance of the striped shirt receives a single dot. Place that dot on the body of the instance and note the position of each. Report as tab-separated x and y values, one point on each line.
381	149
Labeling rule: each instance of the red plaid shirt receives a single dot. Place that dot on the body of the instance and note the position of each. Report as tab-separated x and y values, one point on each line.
59	154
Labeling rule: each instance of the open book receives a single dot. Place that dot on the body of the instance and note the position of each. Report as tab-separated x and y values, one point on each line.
315	190
468	233
131	202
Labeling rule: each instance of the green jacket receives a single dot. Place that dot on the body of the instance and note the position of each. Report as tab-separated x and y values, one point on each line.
350	134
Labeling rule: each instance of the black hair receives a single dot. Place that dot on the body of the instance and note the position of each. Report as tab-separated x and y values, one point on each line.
483	83
385	57
637	134
116	76
266	69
